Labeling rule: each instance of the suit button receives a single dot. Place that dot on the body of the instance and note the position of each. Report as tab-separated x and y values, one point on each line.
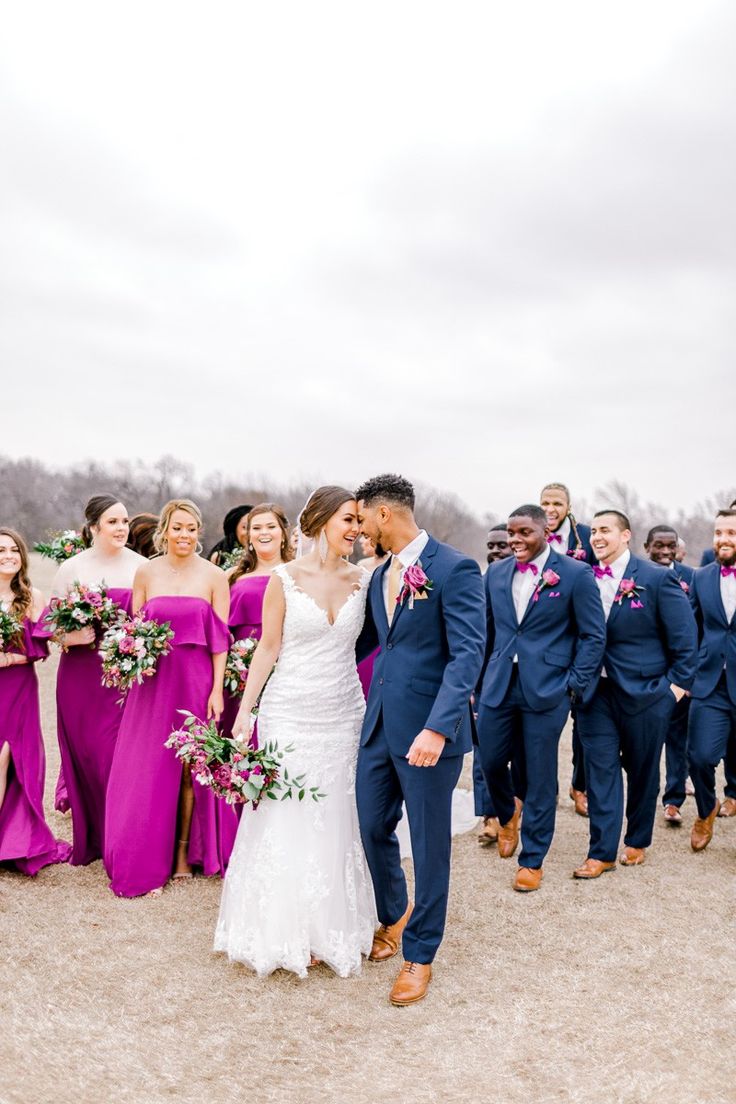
389	646
380	682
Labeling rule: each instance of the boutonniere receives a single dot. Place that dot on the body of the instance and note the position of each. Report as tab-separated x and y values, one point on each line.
577	553
685	586
549	579
416	585
627	588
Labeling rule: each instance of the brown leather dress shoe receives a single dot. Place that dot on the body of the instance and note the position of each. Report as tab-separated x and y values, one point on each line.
728	807
508	834
672	814
411	984
528	879
489	831
386	939
632	856
581	802
593	868
702	832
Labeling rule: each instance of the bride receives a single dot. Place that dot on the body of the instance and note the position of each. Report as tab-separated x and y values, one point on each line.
297	890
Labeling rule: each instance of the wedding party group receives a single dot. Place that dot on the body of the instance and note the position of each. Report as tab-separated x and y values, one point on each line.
267	711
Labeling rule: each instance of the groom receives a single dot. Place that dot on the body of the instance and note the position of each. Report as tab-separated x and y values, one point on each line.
426	611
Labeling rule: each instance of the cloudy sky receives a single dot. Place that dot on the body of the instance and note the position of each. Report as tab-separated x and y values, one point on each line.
486	244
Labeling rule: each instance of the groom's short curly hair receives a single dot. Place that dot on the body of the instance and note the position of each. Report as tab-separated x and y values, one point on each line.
393	489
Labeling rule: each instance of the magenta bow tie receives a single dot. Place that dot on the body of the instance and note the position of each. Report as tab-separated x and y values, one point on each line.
726	571
601	572
527	567
554	537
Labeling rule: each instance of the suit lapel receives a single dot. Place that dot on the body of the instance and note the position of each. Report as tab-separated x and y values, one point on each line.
548	566
630	573
379	606
716	594
428	553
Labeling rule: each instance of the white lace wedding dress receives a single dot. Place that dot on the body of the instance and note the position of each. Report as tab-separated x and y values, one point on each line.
298	884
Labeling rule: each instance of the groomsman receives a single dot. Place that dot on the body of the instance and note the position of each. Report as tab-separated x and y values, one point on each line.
498	549
571	537
709	555
546	636
713	709
649	664
661	546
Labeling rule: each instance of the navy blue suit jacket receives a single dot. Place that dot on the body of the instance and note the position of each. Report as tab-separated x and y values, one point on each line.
649	648
708	557
560	640
684	574
430	655
717	637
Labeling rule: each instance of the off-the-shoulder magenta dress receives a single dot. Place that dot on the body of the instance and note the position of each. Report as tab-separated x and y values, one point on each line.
26	841
145	779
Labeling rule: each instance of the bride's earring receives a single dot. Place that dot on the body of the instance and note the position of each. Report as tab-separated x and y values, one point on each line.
322	546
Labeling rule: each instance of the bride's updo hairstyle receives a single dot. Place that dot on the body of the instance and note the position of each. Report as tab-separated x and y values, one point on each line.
93	511
189	507
323	503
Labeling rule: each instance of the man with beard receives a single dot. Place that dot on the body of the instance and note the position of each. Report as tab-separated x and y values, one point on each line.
649	664
661	546
713	708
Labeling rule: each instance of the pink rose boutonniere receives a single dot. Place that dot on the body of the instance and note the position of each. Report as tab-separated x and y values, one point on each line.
627	588
416	585
577	553
549	579
685	586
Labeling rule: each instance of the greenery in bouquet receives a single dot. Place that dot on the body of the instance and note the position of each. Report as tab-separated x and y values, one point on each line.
231	559
234	772
61	546
238	663
81	607
10	630
131	650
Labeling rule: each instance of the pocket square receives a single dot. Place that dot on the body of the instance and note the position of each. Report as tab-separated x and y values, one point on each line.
554	594
637	605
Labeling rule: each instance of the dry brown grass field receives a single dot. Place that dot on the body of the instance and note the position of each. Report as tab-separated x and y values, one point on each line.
621	989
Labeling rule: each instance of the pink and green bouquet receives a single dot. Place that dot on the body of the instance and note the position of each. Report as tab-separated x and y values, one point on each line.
234	772
81	607
238	662
10	629
131	650
61	546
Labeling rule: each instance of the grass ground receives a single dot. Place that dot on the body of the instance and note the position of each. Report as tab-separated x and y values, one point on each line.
621	989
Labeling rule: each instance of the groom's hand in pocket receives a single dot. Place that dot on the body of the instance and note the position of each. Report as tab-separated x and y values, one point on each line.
426	749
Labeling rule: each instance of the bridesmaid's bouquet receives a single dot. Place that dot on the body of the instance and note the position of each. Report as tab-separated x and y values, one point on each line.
131	650
80	607
236	773
10	630
238	662
61	546
230	559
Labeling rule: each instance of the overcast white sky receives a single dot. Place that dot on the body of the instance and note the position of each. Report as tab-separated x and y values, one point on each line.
485	244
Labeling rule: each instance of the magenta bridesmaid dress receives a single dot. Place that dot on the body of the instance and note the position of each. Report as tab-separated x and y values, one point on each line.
88	719
61	797
246	619
145	780
26	841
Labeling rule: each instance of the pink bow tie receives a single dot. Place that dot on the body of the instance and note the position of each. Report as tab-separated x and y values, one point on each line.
601	572
523	567
726	571
554	537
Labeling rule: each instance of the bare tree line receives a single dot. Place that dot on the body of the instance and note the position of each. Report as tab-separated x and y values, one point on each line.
36	499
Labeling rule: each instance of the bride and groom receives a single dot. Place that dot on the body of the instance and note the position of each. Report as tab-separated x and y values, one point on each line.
321	881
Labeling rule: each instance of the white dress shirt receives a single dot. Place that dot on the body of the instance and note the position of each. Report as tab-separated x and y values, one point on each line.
608	585
406	557
523	585
728	594
563	532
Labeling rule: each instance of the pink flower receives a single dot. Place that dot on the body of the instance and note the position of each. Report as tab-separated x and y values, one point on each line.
257	769
626	586
222	775
684	586
414	577
550	577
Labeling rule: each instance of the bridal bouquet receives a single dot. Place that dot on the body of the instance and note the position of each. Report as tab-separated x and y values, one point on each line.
236	773
238	661
10	630
131	650
80	607
61	546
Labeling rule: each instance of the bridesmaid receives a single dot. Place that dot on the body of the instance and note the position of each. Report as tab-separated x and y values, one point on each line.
267	542
158	824
234	528
26	842
88	716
